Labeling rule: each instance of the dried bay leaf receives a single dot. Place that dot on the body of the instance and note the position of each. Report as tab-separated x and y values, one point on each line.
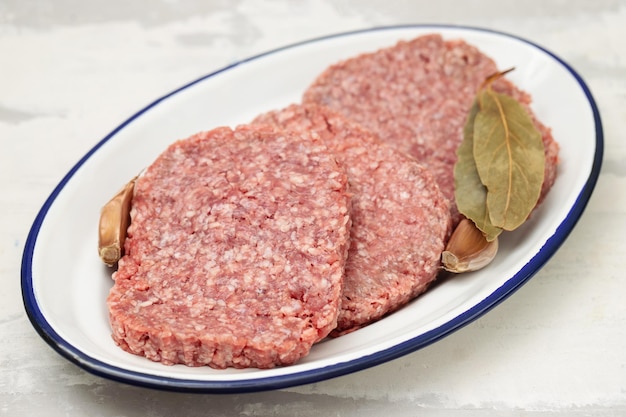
509	157
470	193
500	166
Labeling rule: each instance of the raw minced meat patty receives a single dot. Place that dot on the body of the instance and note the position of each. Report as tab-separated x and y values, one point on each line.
236	251
416	95
399	216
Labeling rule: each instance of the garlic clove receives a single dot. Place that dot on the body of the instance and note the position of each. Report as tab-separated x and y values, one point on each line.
114	221
468	249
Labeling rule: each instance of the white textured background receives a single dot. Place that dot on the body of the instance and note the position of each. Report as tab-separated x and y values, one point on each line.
72	70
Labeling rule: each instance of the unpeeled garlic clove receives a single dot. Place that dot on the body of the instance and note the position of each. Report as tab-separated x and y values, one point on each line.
468	249
114	220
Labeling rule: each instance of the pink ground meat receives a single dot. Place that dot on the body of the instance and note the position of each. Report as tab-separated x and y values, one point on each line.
416	96
399	216
236	251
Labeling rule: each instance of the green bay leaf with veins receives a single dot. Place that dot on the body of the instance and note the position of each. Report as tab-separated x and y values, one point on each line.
510	158
501	160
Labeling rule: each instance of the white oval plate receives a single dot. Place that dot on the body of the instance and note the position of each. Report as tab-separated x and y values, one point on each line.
64	284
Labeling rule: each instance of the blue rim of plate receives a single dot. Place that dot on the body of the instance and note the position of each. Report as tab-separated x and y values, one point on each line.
99	368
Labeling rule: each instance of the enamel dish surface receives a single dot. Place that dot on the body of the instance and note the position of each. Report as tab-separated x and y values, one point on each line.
64	284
